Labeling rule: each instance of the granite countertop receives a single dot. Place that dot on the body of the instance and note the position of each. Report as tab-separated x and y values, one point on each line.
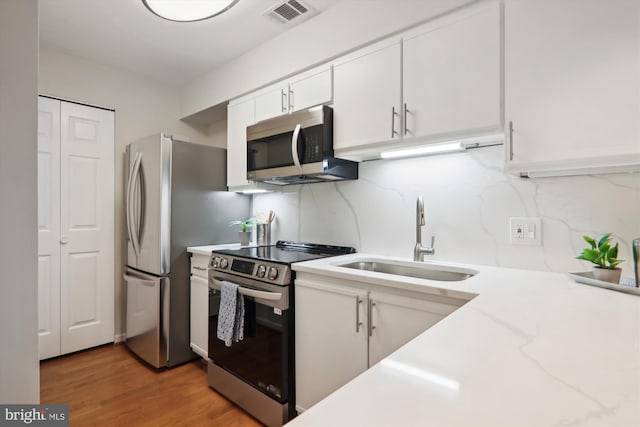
531	349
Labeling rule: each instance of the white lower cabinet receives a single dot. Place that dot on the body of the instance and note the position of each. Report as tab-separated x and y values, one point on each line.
331	340
199	318
345	327
395	320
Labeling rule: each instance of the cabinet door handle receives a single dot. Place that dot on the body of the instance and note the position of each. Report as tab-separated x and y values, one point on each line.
370	316
406	112
290	100
64	240
510	140
358	322
283	97
393	122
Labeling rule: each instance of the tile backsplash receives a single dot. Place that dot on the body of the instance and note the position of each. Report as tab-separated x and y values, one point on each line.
468	202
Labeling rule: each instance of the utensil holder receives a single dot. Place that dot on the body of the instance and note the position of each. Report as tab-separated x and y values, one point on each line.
264	234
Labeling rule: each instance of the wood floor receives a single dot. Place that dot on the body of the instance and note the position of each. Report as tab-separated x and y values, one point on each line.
108	386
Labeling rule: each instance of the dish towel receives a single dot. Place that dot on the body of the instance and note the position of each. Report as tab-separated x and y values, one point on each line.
230	314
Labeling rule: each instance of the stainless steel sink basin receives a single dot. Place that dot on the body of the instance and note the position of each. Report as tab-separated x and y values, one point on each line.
419	271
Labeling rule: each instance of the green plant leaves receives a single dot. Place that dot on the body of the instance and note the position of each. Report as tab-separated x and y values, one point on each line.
589	255
604	239
601	252
590	241
613	252
245	225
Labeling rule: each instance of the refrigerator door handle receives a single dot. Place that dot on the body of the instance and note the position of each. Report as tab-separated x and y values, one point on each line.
132	279
142	203
134	230
129	207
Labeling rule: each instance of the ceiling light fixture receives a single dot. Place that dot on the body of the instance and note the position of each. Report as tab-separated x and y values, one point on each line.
188	10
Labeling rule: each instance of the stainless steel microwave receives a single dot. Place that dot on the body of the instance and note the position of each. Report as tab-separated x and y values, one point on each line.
296	148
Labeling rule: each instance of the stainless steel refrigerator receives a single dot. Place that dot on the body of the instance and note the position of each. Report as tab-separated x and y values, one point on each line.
175	197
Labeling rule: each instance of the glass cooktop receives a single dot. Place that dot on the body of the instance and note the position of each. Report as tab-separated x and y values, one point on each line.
287	252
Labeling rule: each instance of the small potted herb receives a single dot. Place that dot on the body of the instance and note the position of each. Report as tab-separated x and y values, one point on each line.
604	256
245	230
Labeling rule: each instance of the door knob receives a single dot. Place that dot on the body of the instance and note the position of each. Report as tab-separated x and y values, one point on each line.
64	240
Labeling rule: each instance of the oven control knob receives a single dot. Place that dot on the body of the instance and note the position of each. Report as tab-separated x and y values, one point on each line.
272	273
261	271
216	262
224	263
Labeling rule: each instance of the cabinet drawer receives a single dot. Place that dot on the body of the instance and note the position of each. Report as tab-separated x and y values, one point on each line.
199	265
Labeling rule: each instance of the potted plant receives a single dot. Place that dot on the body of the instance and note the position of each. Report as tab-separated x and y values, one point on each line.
245	230
604	256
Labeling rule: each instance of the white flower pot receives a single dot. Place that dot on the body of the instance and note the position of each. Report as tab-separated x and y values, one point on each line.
245	237
611	275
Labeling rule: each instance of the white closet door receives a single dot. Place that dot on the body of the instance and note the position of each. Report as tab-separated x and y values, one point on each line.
87	227
49	227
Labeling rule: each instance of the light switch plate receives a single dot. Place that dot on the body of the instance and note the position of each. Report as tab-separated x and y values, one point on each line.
525	231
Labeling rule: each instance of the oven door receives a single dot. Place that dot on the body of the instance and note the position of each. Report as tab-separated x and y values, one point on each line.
263	358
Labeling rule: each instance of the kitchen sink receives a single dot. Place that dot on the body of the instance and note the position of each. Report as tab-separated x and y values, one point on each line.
417	270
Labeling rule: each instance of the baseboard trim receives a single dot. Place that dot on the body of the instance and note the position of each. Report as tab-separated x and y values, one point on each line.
119	338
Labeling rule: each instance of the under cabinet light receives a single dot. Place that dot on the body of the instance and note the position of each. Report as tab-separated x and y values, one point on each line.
188	10
254	191
445	147
449	147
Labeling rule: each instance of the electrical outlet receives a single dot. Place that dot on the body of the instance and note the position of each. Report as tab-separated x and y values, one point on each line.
525	231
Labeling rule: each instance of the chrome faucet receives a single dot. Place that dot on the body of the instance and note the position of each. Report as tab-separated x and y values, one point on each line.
419	251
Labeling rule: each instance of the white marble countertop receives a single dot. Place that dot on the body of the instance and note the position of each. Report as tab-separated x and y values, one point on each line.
532	349
206	250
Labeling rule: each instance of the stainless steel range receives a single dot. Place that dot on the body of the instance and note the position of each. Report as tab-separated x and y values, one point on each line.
258	372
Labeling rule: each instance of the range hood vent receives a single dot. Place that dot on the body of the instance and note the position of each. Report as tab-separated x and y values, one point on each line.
291	10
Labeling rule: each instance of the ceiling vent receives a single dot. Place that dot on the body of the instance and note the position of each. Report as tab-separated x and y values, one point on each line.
293	11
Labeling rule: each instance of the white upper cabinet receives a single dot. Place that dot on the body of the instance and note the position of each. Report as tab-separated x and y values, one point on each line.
273	102
437	82
306	91
367	97
572	81
302	91
452	76
239	116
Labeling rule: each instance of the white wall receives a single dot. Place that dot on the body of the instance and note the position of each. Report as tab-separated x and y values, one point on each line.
142	108
19	368
346	26
468	201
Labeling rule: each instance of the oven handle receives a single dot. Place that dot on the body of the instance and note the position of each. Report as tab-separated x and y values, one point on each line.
271	296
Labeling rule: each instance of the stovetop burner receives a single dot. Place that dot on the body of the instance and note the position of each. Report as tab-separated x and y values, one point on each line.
287	252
